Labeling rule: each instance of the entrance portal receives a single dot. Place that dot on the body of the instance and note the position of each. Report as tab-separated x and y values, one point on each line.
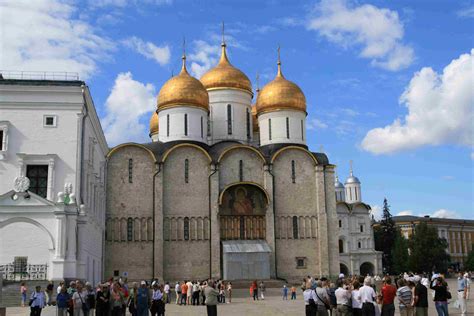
246	259
366	268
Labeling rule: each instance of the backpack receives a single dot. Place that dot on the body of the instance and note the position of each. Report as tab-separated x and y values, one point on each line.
332	296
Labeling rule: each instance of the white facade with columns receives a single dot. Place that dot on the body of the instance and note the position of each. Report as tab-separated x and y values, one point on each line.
52	125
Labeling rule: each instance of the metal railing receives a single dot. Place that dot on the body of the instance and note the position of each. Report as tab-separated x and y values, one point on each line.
11	272
39	75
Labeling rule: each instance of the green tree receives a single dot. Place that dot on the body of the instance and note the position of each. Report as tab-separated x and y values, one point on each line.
399	253
385	238
469	264
427	250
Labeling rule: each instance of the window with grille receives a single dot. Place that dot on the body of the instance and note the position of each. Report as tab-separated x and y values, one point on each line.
248	124
241	170
130	171
186	228
270	129
287	127
186	170
300	262
229	119
168	125
20	264
130	229
293	171
185	125
295	227
38	175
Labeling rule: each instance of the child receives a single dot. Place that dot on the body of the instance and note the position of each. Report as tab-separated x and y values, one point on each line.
222	294
285	293
293	292
23	290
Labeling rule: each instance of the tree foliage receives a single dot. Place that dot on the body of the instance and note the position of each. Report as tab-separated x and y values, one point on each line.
469	264
385	236
400	254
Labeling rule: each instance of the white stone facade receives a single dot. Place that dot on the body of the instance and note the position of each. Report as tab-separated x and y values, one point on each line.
52	126
183	123
287	126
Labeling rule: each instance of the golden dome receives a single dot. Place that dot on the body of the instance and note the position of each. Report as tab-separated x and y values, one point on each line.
254	118
154	127
280	94
183	90
224	75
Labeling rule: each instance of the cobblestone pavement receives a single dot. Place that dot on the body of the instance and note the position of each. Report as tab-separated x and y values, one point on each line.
242	305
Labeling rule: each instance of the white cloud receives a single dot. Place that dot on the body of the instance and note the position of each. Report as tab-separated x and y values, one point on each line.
349	112
44	35
203	57
377	31
405	213
443	213
376	212
467	12
127	103
315	124
440	111
125	3
159	54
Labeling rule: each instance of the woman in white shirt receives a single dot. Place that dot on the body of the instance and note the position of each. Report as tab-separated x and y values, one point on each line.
356	300
309	297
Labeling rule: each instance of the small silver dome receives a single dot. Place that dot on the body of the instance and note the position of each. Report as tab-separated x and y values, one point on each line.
339	185
352	179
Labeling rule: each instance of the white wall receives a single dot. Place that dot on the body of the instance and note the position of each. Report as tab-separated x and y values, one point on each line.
297	135
176	124
240	102
353	193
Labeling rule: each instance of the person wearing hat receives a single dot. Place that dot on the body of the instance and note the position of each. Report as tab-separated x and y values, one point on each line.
142	299
37	301
157	304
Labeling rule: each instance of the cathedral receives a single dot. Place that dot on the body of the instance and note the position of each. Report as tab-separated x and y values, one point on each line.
226	188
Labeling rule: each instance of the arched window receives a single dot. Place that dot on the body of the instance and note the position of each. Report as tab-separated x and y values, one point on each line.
229	119
186	171
248	124
130	229
270	129
241	170
293	171
130	170
167	125
359	244
202	128
287	127
185	124
186	228
341	246
295	227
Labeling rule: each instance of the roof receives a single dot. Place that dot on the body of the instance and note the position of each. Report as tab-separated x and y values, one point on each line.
428	219
35	82
239	246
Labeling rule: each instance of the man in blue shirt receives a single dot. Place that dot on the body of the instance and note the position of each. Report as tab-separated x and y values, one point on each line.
462	291
38	301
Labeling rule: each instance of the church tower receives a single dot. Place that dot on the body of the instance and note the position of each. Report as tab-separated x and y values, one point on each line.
154	129
230	99
281	111
340	191
353	190
183	107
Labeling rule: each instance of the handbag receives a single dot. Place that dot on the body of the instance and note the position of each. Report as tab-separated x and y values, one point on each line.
448	295
326	305
84	306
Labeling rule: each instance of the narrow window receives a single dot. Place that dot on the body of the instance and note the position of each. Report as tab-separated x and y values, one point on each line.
302	130
359	244
355	192
248	124
186	170
129	229
340	223
186	228
241	170
295	227
130	170
185	125
208	127
341	246
270	129
361	228
229	119
202	129
293	172
350	193
38	175
168	125
287	127
1	139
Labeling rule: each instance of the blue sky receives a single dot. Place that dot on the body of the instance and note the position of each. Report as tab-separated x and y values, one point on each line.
389	84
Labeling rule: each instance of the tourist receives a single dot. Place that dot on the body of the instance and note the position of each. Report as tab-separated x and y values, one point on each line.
309	297
117	300
49	292
356	299
167	293
189	293
102	301
203	299
157	305
79	301
62	300
405	298
132	299
59	288
195	295
322	301
37	301
388	296
441	296
229	291
367	297
142	299
284	291
462	293
184	293
222	292
468	285
331	288
262	288
211	299
293	292
254	289
90	298
23	291
420	301
177	290
343	295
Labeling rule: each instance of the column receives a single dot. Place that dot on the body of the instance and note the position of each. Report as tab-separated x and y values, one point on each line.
270	218
214	224
61	237
71	226
158	229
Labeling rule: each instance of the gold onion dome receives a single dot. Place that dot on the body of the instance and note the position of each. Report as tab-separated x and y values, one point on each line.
183	89
280	94
224	75
154	127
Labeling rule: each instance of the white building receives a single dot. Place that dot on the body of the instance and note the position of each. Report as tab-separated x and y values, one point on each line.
356	237
52	176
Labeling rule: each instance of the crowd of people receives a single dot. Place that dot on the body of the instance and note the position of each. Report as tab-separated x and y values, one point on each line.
358	295
346	296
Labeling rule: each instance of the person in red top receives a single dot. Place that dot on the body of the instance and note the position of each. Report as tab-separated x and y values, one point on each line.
184	293
388	295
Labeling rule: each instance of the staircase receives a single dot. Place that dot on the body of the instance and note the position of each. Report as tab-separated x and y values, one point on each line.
11	292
